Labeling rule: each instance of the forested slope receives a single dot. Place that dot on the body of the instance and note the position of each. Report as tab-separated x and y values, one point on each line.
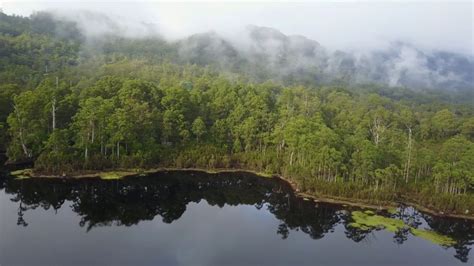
71	104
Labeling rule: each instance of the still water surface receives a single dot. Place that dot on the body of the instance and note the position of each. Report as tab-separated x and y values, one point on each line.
193	218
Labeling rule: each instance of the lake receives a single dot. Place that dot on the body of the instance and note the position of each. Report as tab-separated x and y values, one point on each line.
194	218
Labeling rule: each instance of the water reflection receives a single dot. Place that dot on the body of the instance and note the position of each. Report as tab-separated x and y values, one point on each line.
129	201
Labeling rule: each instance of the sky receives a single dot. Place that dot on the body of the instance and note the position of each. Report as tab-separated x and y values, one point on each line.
345	25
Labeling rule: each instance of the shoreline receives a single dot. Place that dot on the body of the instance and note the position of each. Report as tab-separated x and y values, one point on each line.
360	203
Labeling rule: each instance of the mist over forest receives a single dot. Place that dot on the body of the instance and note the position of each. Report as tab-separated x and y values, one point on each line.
264	53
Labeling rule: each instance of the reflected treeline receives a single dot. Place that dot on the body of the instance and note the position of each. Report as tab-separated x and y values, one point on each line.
131	200
463	233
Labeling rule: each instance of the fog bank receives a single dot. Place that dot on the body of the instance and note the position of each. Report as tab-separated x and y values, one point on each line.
346	25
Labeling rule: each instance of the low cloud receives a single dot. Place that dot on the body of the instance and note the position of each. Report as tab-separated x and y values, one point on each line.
398	44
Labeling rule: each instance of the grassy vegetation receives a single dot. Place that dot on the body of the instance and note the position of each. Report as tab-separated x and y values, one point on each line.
392	210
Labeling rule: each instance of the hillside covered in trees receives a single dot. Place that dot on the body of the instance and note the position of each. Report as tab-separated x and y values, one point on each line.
71	104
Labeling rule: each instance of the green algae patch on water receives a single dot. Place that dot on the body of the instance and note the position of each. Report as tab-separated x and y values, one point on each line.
367	220
433	237
114	175
22	174
369	212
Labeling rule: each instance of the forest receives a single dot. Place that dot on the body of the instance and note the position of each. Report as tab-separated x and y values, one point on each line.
70	104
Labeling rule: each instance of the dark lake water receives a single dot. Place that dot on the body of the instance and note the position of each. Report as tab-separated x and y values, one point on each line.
192	218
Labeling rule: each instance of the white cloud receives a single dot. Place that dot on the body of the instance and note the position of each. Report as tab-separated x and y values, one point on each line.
338	25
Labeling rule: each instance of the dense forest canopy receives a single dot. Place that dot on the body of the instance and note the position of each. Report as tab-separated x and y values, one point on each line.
71	104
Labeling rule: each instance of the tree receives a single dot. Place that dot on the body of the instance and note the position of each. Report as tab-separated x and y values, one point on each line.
364	161
90	124
407	119
453	171
198	128
377	118
7	93
467	128
444	124
28	127
388	177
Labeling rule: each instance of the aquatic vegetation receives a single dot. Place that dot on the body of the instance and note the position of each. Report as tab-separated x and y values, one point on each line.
22	174
368	220
432	236
114	175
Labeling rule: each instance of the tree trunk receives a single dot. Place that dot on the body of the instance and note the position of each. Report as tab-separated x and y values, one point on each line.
407	173
53	113
23	145
118	149
53	106
93	132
